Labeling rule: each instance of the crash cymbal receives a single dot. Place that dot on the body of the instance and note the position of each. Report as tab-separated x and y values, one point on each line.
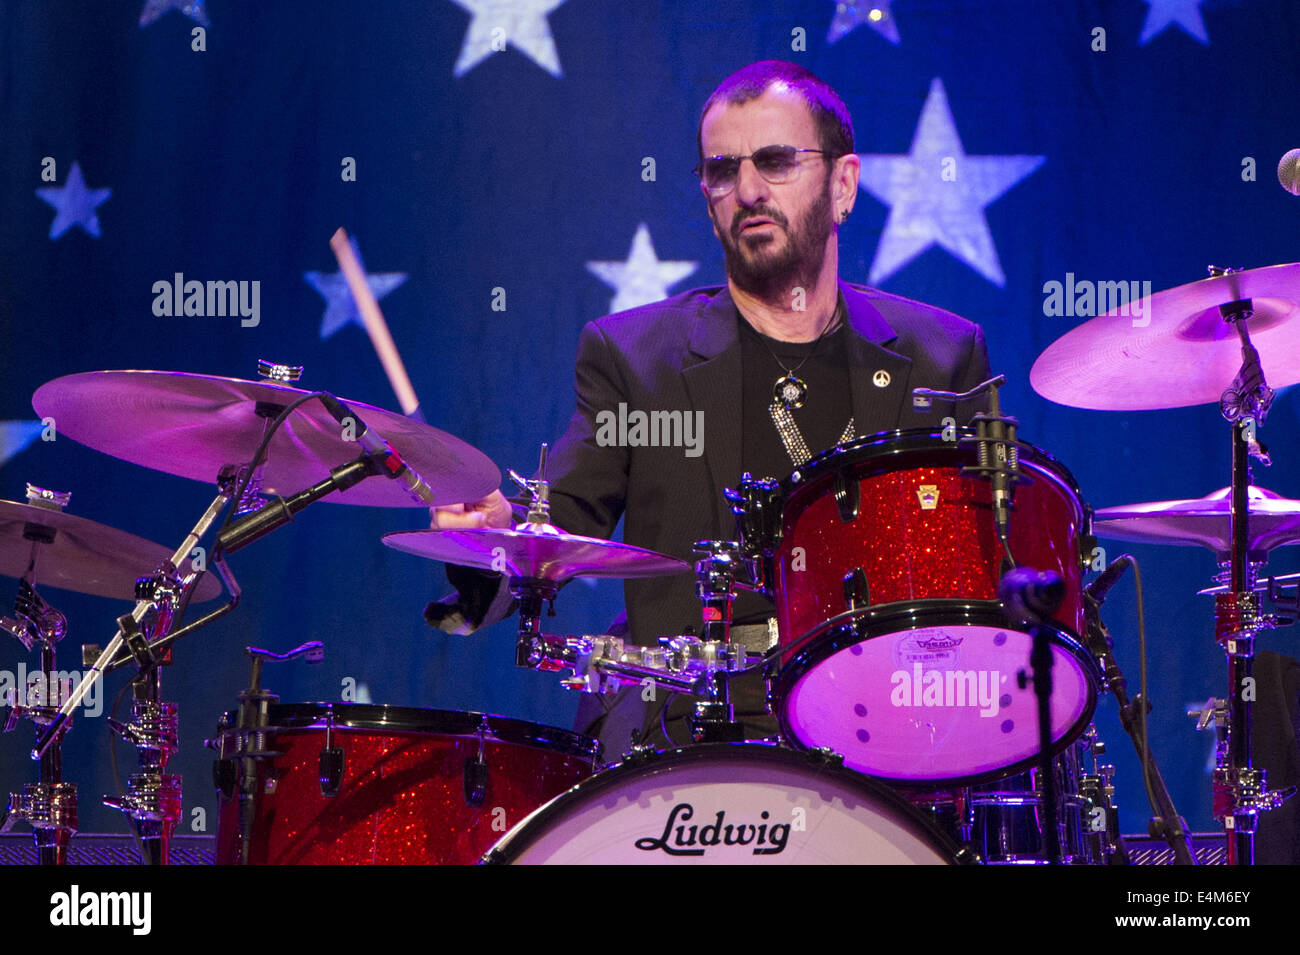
194	425
1174	350
535	550
73	553
1274	521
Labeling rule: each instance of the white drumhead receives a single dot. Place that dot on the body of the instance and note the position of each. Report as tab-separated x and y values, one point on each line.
720	805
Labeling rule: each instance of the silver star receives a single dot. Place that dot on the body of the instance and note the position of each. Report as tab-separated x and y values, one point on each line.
1164	13
16	435
522	24
193	9
926	208
642	278
340	308
75	204
851	14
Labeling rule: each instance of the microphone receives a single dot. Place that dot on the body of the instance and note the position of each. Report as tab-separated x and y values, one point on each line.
1098	589
1031	596
1288	172
373	444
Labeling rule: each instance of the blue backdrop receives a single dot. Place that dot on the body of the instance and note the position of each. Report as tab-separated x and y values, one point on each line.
508	176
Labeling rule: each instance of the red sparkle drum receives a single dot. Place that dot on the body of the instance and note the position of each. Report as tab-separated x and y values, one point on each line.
413	786
894	650
727	804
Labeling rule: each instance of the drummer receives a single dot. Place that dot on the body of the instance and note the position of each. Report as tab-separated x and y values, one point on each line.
784	360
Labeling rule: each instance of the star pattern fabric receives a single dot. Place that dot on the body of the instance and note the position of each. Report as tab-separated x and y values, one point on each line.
851	14
643	278
75	205
1163	14
194	9
936	195
340	308
522	24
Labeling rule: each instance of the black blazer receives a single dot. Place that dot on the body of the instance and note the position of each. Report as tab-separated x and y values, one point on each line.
683	354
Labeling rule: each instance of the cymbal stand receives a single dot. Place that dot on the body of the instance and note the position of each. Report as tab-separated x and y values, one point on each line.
1240	790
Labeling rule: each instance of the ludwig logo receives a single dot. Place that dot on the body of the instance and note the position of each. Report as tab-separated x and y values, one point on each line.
694	840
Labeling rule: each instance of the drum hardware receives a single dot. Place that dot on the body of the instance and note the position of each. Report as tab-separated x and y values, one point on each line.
48	806
331	761
1166	822
1031	597
476	773
997	452
241	747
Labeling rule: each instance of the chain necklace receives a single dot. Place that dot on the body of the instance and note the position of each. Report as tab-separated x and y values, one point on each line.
790	390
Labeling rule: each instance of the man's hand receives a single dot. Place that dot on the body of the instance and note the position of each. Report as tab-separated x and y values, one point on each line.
491	511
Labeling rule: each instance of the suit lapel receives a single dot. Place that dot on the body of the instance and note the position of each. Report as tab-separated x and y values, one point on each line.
879	379
712	376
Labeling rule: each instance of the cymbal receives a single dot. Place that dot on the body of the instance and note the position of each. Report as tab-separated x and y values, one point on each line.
194	425
73	553
1274	521
535	550
1178	352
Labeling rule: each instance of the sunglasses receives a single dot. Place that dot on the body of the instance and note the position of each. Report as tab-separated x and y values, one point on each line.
776	164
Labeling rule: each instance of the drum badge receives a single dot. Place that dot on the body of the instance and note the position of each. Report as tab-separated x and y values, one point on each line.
928	495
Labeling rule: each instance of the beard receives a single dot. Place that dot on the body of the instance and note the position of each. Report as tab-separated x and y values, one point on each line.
768	269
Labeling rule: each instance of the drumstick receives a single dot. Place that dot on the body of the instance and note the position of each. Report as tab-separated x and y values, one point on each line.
376	327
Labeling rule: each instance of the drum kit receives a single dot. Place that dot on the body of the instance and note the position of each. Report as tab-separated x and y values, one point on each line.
936	663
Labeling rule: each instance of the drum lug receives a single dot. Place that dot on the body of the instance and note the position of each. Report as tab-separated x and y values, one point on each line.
476	781
848	497
331	760
856	592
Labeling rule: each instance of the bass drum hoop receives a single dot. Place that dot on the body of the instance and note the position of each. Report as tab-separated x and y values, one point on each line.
651	765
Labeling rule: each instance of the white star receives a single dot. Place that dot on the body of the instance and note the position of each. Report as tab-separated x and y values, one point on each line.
518	23
642	278
937	195
193	9
75	204
340	308
16	435
1186	13
851	14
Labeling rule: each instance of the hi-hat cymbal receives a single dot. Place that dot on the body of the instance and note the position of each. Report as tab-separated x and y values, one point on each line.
537	551
194	425
73	553
1274	521
1178	351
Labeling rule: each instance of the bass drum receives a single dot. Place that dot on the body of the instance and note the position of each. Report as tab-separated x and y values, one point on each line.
350	783
727	804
